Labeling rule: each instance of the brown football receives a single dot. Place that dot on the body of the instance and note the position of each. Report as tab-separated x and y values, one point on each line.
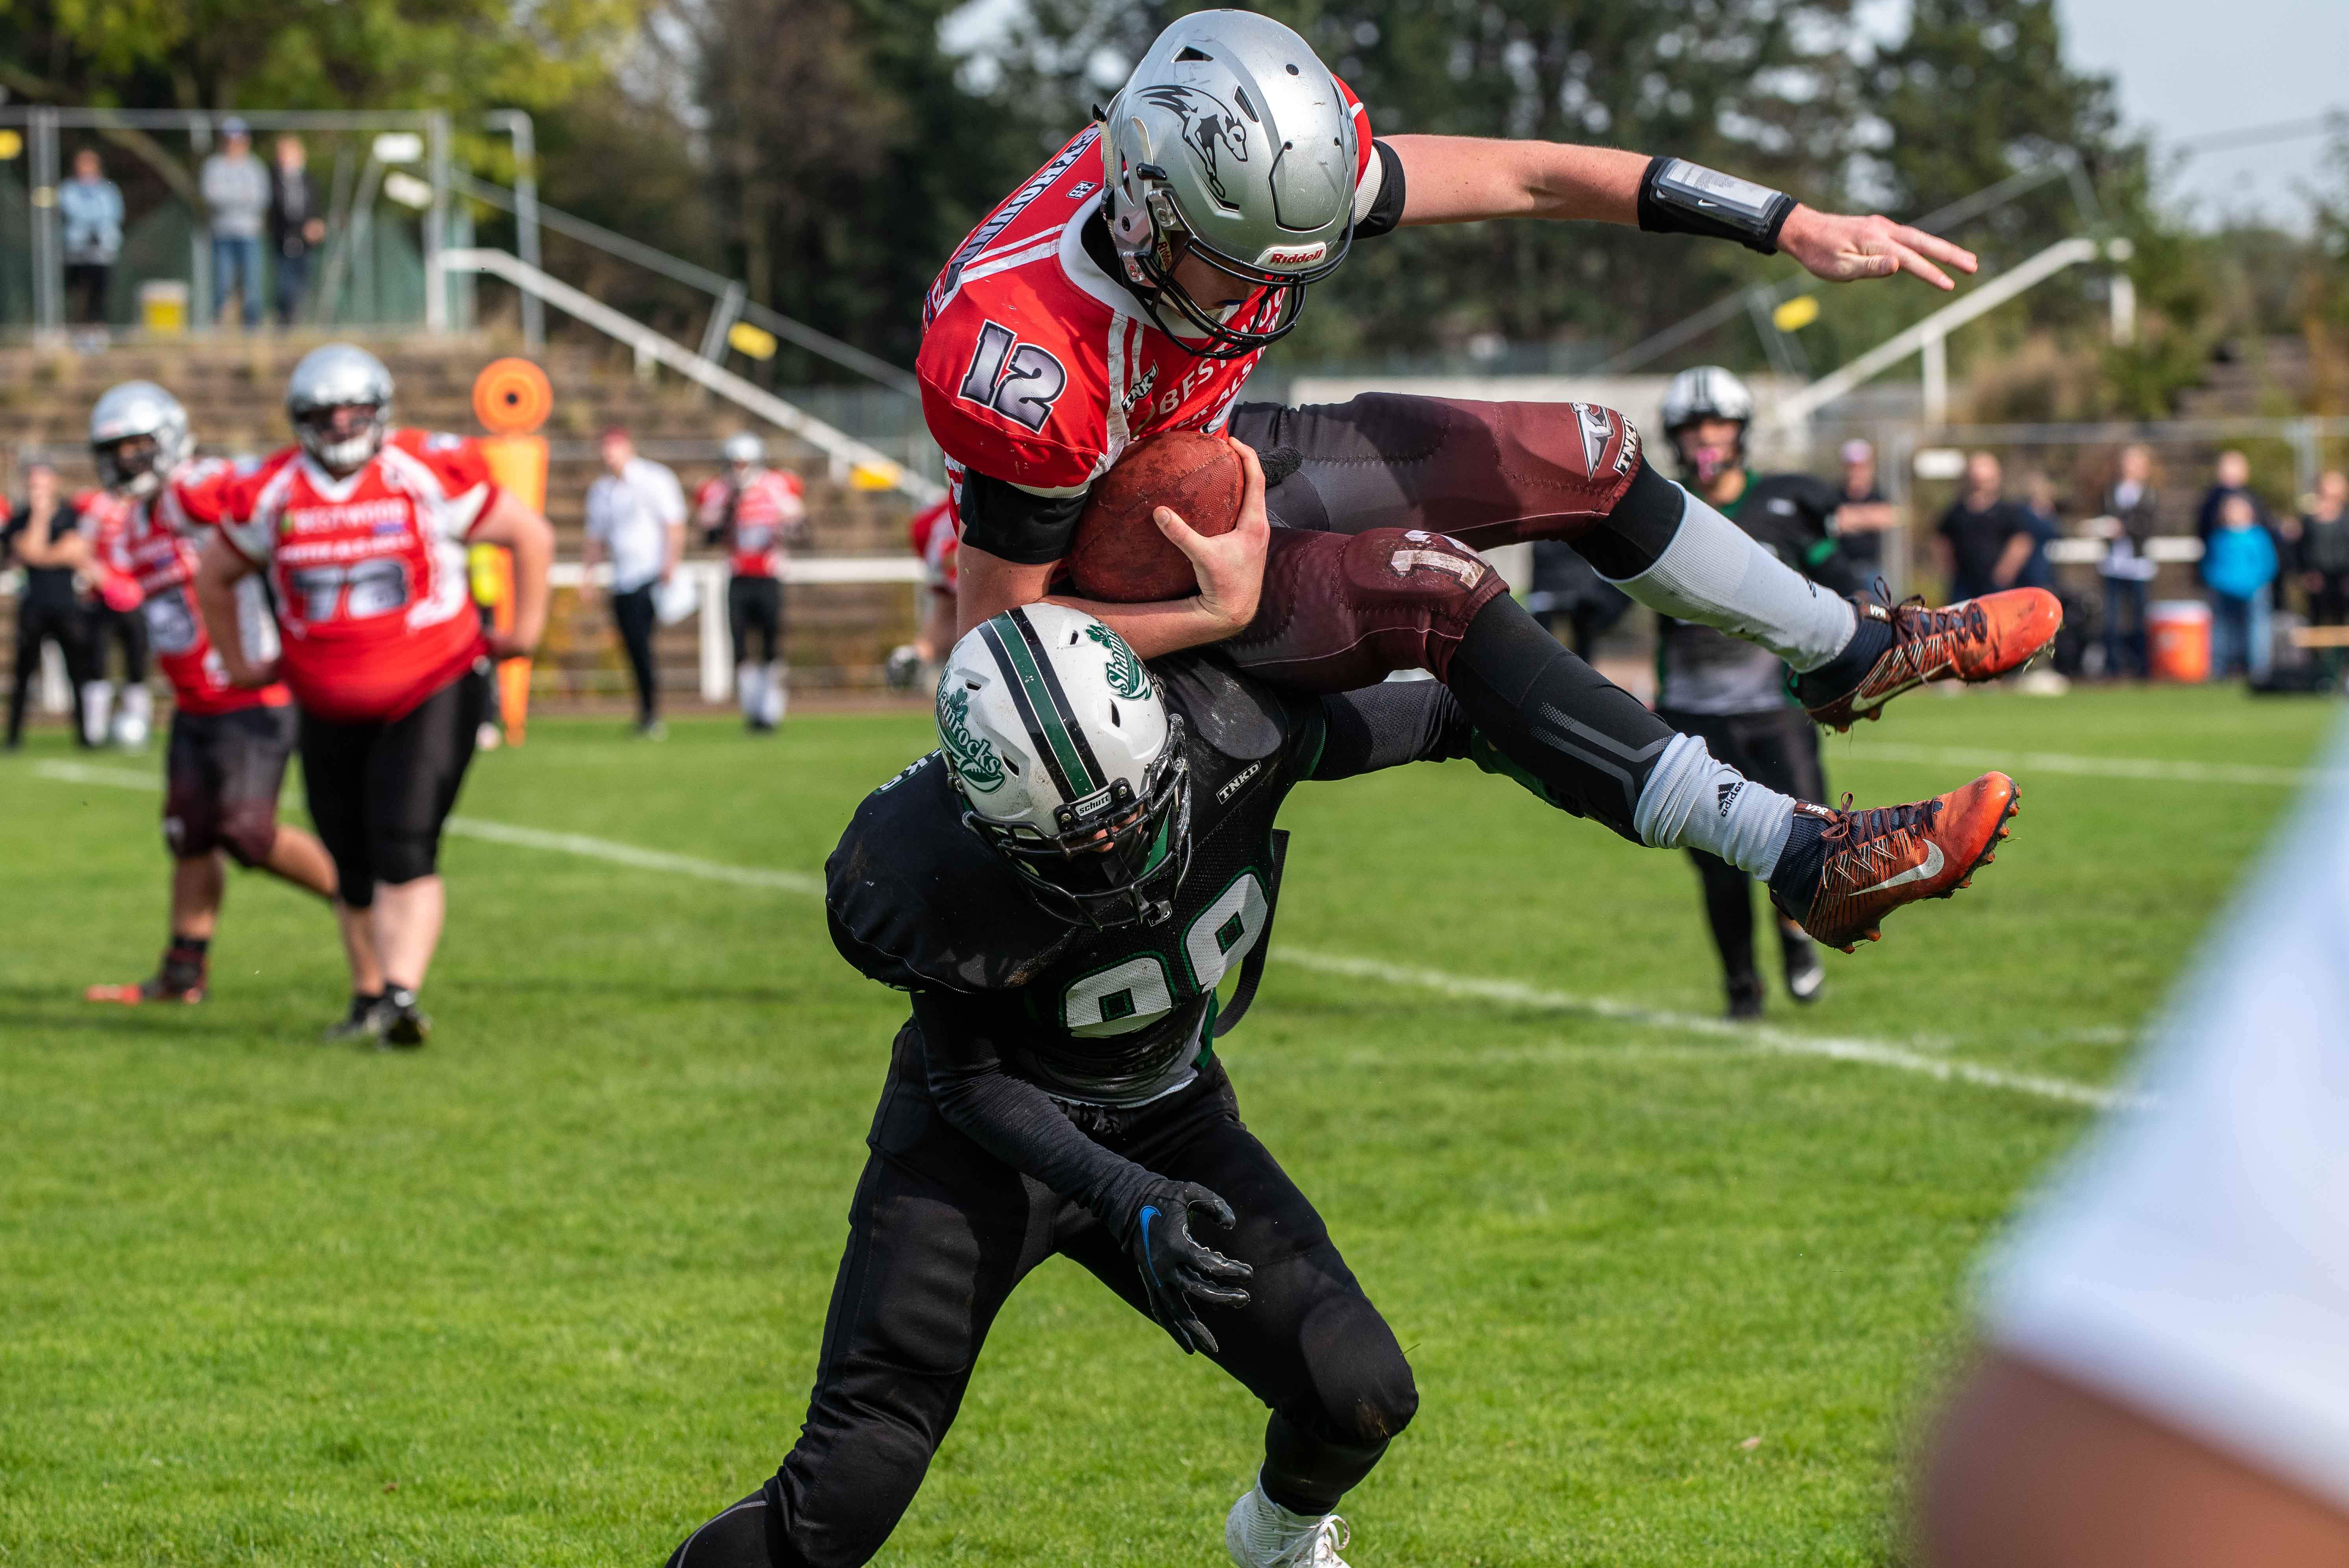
1119	554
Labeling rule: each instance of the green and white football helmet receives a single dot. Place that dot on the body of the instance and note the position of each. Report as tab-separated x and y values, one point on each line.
1231	141
1069	764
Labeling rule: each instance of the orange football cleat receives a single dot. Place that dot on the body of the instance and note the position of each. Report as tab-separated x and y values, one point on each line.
1975	640
151	989
1880	859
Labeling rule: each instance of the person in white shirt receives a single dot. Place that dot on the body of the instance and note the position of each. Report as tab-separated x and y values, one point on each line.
636	515
2164	1378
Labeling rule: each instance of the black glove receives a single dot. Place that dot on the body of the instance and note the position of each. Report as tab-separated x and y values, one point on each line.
1176	1270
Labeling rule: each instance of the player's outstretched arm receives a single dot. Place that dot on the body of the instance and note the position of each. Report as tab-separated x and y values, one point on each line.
1466	180
1021	1126
531	539
218	571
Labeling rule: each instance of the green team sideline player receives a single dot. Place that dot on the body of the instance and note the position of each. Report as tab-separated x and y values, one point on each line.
1062	887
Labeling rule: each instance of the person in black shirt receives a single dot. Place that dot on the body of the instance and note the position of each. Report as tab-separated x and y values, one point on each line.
42	535
1730	693
1985	538
1062	887
1863	517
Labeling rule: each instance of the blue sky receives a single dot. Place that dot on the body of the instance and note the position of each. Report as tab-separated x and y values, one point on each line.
2187	68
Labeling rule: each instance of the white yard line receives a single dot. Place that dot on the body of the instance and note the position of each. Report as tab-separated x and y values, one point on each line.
2145	769
1872	1053
1463	987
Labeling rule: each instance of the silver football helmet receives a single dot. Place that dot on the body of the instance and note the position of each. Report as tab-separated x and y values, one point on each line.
1069	764
137	435
1707	392
329	380
1232	142
744	450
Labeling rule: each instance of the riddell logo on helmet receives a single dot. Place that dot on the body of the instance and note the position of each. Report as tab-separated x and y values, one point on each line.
1293	256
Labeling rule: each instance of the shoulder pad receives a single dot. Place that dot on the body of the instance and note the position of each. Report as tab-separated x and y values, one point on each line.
1240	716
917	903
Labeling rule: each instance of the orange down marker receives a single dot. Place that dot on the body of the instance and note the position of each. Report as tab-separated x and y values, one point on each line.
512	399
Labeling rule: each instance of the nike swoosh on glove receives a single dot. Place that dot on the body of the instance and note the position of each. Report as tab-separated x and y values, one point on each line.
1177	1270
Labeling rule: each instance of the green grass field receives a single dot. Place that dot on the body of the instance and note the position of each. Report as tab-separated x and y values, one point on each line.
549	1291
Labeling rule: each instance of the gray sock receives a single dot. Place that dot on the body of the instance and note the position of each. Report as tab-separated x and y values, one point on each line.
1691	802
1712	572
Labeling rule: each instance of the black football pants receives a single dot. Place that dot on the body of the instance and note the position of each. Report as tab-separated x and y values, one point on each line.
940	1232
380	789
1779	749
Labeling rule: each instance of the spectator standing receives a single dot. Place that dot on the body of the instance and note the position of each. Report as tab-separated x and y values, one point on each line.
636	515
2046	527
89	214
754	510
2240	566
2323	553
43	536
1985	540
2131	509
295	226
1865	517
236	191
2231	475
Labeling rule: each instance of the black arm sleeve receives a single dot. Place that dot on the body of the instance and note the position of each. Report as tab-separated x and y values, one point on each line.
1388	725
1013	1119
1386	212
1017	525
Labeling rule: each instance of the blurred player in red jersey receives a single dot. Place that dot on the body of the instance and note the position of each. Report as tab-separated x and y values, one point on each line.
230	744
931	535
361	530
1131	285
754	510
128	717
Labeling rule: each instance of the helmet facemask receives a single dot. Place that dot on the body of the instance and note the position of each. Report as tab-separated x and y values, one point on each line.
130	466
1161	240
1113	860
342	436
1704	465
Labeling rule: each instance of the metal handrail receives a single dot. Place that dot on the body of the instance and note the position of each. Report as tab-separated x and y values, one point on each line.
837	445
723	288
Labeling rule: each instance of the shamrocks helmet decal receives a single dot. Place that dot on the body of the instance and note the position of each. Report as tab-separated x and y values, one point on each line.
1068	763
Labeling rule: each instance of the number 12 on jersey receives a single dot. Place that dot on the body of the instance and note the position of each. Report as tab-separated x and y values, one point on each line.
1017	380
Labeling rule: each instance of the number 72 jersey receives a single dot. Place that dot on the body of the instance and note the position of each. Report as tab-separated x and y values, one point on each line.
374	607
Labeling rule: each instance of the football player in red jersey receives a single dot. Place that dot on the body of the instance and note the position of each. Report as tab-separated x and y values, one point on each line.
931	535
753	511
361	530
1129	286
230	744
114	617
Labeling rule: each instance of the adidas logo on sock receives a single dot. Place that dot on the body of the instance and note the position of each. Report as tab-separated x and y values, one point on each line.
1728	793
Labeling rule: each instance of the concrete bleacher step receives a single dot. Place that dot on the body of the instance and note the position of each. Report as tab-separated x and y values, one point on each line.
234	388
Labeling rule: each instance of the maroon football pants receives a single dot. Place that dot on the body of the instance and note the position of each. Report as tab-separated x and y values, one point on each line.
1378	504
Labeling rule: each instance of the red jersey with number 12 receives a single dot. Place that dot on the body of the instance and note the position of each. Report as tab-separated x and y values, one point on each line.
157	541
1037	368
368	570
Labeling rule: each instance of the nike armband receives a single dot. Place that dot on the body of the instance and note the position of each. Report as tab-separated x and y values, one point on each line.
1677	196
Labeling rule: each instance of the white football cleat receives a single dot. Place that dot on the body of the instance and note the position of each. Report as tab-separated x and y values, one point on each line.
1260	1533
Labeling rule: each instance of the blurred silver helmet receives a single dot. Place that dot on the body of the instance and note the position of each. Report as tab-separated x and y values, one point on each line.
1705	392
1231	141
340	376
137	435
745	448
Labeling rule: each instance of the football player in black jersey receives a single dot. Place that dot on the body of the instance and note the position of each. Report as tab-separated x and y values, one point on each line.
1062	887
1732	693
